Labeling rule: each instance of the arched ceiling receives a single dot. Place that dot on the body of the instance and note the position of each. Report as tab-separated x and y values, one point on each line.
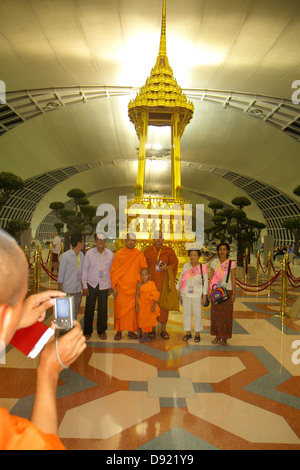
70	68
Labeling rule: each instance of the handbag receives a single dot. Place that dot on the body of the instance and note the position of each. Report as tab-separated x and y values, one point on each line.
168	299
219	294
207	299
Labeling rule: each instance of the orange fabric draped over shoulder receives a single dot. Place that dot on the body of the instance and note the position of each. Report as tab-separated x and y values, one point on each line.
168	257
20	434
125	276
146	318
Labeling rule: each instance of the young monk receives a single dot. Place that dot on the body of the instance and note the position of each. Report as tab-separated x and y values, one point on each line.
147	308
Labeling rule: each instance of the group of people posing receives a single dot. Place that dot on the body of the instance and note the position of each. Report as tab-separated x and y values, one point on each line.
136	280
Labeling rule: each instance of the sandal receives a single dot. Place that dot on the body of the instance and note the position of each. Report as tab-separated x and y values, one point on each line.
164	335
187	337
118	336
132	335
216	340
197	339
223	342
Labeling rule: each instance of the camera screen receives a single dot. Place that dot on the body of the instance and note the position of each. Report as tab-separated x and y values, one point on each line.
62	308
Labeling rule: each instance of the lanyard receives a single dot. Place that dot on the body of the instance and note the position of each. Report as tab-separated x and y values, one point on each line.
158	256
78	260
101	257
222	270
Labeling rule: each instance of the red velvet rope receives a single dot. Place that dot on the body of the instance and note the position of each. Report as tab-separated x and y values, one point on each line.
260	287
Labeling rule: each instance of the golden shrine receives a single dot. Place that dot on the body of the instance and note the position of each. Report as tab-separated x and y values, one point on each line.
160	102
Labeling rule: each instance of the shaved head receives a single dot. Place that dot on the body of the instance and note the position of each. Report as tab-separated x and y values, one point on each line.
13	270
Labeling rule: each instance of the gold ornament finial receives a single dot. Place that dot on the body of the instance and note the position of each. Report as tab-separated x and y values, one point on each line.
163	36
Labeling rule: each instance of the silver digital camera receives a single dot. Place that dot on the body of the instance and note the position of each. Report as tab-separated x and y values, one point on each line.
64	308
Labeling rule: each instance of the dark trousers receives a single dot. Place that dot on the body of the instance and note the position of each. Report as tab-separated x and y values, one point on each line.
102	296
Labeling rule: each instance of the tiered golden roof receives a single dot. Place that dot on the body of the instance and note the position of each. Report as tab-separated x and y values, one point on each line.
161	92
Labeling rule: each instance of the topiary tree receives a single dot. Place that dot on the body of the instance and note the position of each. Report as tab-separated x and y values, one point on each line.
9	182
81	218
17	227
293	224
233	224
297	190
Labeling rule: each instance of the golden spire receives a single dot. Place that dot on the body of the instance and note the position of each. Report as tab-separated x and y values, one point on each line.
161	89
162	55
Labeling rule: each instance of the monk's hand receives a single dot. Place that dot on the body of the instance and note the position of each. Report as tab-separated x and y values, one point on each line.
115	292
69	348
35	306
163	268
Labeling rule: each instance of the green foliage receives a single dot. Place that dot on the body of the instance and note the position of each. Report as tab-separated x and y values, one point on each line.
16	227
233	224
297	190
9	182
241	202
79	219
57	206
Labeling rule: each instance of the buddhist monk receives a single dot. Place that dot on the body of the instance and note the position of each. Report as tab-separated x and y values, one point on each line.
125	276
159	257
40	432
147	309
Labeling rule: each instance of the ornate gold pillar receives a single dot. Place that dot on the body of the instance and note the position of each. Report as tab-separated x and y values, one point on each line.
175	156
143	133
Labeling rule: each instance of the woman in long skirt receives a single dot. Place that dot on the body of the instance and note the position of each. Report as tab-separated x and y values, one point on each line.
222	314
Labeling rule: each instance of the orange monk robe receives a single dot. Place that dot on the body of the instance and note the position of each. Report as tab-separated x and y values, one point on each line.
20	434
146	318
165	254
125	276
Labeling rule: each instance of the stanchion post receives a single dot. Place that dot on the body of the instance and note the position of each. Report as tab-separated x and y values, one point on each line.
36	273
286	256
269	272
246	265
50	262
40	262
257	266
283	290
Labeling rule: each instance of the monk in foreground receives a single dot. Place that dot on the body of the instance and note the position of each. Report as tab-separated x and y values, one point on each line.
147	309
40	432
125	276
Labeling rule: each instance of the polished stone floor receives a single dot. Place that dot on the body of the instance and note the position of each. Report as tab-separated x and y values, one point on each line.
173	395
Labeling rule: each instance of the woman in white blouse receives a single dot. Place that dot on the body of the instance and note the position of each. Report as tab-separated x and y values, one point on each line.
192	286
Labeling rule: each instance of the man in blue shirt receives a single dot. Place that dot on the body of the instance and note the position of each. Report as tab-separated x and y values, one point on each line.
70	270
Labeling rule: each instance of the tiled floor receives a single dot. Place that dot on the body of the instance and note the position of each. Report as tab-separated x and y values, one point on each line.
172	395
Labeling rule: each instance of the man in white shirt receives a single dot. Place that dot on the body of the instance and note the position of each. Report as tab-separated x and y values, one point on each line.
56	247
96	284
